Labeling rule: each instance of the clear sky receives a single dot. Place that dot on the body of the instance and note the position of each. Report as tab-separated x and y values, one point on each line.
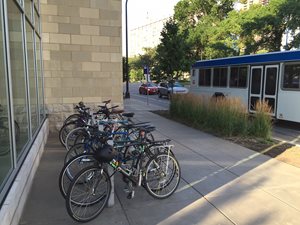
141	12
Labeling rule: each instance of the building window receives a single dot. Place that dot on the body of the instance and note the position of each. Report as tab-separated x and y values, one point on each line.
22	106
17	60
220	77
5	146
40	78
291	78
204	77
31	78
238	77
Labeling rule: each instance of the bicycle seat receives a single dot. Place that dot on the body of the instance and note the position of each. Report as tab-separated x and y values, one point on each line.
129	115
107	101
117	111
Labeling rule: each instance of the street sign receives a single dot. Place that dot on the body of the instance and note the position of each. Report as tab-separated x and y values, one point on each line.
146	74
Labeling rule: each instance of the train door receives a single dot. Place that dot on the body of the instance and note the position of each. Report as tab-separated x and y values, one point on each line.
263	86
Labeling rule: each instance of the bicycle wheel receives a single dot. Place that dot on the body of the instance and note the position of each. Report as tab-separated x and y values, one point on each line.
71	169
65	130
88	194
77	135
4	136
162	175
76	150
72	118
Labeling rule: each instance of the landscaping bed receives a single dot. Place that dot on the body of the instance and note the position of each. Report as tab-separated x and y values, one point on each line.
284	152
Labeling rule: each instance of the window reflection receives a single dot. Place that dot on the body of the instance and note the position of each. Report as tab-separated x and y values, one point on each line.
5	148
32	80
292	77
18	76
40	78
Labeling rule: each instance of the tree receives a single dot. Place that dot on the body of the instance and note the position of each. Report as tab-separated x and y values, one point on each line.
137	64
264	26
172	52
199	18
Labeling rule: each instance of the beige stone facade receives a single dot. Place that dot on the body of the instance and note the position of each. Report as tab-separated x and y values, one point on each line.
82	54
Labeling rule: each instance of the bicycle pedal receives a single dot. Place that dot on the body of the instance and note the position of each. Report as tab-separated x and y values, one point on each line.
130	195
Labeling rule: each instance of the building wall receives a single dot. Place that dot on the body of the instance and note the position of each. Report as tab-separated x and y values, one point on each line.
251	2
82	54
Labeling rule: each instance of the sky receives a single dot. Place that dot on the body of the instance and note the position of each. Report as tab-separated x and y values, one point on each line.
141	12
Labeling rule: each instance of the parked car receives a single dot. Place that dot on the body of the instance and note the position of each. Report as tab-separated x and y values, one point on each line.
165	89
150	87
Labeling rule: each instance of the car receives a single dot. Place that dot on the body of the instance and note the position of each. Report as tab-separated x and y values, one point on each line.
165	89
148	87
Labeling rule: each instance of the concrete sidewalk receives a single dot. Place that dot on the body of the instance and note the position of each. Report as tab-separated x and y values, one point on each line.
222	183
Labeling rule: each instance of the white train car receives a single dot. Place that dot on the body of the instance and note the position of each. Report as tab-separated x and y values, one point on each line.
272	77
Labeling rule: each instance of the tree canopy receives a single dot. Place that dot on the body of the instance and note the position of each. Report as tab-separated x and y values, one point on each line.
206	29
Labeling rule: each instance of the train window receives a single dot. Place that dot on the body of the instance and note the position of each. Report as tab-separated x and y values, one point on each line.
220	77
291	79
238	77
204	77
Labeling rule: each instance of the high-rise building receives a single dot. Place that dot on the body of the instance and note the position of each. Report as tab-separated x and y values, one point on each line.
146	36
251	2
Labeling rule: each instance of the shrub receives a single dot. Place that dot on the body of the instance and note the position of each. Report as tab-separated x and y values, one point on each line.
225	116
261	124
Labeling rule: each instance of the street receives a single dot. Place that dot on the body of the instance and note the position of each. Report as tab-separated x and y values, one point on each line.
282	130
149	100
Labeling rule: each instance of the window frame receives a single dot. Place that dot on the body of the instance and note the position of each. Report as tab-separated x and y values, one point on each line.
220	78
247	76
283	76
210	77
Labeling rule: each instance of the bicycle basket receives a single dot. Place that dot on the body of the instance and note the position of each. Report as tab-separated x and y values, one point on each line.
105	153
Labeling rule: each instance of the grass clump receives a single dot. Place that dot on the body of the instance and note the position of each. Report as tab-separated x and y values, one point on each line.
224	116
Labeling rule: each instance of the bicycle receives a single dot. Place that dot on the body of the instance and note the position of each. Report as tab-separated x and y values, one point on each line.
89	191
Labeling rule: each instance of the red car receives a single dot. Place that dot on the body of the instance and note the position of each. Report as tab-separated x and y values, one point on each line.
150	87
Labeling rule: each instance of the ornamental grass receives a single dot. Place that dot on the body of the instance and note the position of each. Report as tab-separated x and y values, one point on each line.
223	116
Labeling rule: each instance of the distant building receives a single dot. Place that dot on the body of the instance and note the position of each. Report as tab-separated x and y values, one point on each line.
252	2
146	36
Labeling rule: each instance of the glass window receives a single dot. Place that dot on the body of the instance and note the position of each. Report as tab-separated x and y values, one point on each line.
220	77
40	77
36	3
238	77
204	77
36	21
32	80
5	147
28	9
256	81
291	79
18	76
271	78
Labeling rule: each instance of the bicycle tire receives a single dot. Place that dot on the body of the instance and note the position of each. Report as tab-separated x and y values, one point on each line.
88	207
159	183
71	169
72	118
75	136
64	131
77	149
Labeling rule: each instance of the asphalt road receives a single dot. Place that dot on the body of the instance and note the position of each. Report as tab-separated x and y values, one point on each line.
150	99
